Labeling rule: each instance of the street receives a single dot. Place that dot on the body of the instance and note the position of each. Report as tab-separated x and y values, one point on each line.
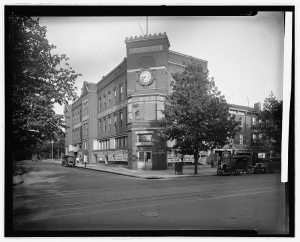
56	198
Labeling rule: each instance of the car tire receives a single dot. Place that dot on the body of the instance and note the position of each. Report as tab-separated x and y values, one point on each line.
248	171
267	170
231	172
219	172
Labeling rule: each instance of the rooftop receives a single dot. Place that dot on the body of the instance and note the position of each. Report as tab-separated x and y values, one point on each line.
147	37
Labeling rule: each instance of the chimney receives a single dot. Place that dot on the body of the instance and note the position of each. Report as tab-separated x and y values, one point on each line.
257	106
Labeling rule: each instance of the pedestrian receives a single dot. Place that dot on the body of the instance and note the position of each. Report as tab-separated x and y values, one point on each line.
77	161
85	160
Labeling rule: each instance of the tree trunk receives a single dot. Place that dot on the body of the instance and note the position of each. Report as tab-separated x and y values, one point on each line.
13	162
196	163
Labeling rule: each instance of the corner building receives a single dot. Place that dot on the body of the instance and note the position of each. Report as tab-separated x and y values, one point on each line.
129	101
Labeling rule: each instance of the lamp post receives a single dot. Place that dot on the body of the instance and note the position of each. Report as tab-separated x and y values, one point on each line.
52	149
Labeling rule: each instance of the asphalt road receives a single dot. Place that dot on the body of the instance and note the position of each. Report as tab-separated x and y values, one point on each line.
55	198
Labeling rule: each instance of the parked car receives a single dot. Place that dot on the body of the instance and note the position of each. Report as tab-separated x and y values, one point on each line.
267	165
68	161
235	166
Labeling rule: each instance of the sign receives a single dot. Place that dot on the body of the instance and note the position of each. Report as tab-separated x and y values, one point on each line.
145	49
145	137
172	157
189	158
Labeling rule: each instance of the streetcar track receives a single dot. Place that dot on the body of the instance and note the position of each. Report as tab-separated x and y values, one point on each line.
135	199
143	206
63	194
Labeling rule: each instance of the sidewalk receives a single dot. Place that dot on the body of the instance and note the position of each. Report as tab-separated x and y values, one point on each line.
188	171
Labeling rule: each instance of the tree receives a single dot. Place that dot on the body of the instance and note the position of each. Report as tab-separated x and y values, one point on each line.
38	82
44	149
271	123
197	115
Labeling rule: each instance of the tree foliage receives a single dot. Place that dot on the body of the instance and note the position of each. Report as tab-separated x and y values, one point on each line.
197	115
38	82
271	123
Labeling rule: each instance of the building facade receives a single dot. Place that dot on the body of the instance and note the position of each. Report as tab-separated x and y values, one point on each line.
113	121
246	140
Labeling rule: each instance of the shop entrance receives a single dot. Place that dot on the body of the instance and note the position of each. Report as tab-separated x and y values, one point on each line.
145	160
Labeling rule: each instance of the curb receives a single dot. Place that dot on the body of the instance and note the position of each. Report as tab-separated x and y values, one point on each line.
142	177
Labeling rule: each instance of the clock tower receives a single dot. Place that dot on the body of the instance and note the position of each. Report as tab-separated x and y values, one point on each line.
148	83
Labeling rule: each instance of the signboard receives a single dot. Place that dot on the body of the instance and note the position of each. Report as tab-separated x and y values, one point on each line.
172	157
124	157
145	49
145	137
188	158
118	157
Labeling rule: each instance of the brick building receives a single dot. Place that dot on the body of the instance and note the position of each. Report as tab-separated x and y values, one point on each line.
113	120
249	135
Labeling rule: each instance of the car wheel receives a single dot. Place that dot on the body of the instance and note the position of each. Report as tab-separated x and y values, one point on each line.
219	172
231	172
248	171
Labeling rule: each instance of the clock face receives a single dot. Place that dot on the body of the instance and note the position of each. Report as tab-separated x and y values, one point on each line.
145	77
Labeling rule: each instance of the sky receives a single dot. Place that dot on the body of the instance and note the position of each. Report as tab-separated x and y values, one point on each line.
244	54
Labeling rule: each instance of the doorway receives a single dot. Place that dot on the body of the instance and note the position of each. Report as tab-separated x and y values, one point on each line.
145	160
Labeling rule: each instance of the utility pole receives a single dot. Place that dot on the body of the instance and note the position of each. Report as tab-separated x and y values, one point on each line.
147	25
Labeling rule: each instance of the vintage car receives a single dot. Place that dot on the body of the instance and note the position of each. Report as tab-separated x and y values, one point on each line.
68	161
235	166
267	165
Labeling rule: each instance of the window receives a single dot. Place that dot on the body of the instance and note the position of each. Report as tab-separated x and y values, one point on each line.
85	108
121	119
104	102
99	105
99	126
254	137
121	142
115	121
115	95
241	138
109	99
253	121
240	120
109	124
121	93
104	125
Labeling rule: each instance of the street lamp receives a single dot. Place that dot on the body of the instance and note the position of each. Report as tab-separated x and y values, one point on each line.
52	149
